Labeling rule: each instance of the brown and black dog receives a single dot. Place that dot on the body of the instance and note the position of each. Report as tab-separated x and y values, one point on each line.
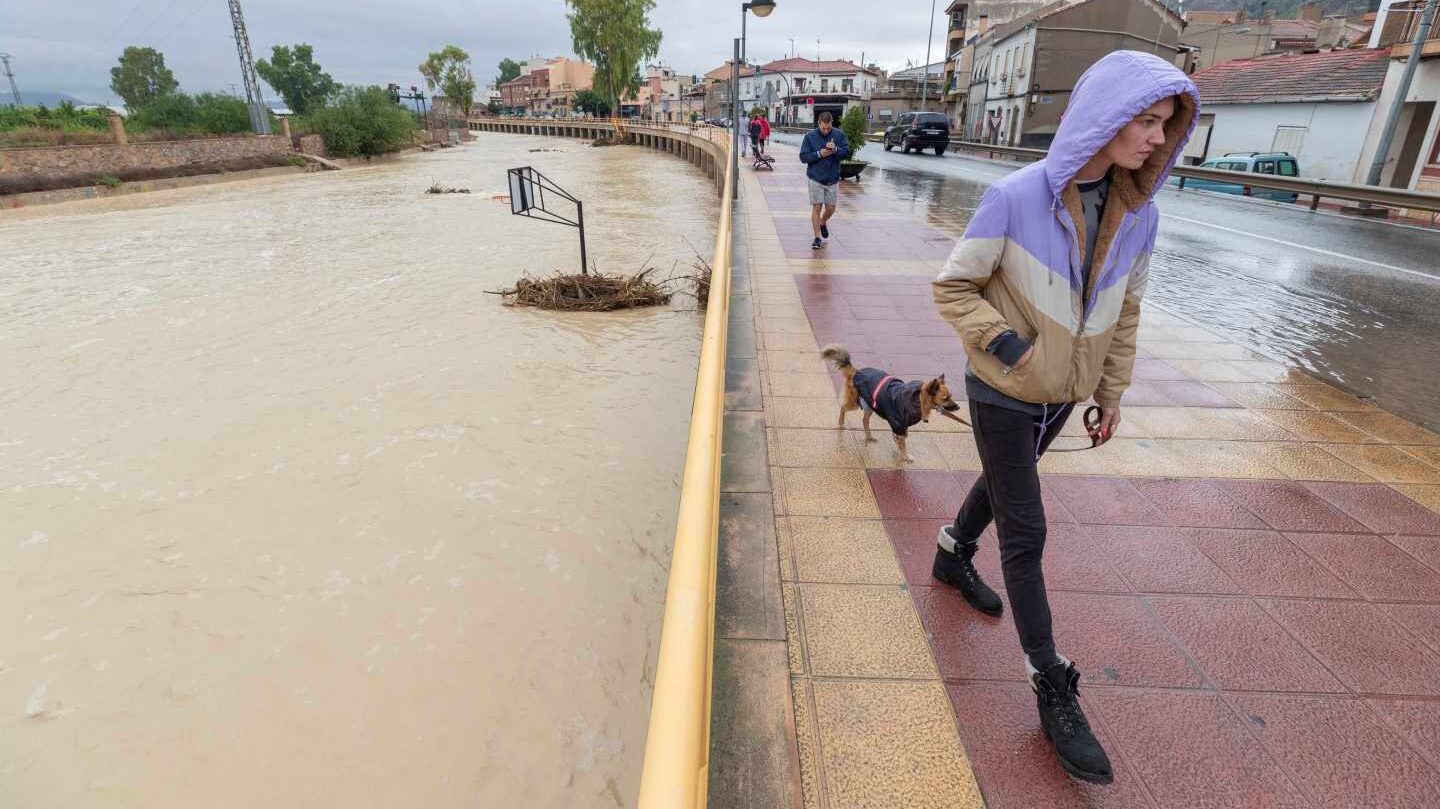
901	404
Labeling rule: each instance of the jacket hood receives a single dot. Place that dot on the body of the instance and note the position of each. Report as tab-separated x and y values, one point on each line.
1107	97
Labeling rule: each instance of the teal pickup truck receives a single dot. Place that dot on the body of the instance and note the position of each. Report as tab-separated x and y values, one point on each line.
1280	164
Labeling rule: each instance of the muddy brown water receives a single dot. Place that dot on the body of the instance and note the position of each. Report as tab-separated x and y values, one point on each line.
293	515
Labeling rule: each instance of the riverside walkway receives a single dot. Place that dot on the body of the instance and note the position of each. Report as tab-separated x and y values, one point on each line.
1248	576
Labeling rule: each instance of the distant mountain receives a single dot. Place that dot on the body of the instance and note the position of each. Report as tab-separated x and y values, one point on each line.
36	98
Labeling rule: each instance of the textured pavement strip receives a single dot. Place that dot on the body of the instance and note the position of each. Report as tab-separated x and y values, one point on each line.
1249	576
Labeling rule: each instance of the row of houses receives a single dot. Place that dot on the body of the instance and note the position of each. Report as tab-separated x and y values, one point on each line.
1318	87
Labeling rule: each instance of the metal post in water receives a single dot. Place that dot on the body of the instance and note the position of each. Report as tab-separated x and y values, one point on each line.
580	218
1392	121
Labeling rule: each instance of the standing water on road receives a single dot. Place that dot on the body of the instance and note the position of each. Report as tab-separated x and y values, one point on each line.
292	514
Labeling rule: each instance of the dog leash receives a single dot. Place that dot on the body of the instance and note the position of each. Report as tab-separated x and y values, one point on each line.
1092	417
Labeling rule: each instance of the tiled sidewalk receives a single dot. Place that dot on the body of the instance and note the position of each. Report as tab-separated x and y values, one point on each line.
1249	577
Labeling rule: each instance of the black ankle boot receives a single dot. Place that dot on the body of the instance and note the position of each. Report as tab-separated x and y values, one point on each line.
956	570
1057	695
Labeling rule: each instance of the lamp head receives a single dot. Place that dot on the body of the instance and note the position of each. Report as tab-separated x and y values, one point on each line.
762	8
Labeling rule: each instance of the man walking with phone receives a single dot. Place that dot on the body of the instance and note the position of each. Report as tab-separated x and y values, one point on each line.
822	150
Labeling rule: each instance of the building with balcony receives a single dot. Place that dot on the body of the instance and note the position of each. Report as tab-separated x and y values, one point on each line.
800	89
955	84
1414	157
1035	60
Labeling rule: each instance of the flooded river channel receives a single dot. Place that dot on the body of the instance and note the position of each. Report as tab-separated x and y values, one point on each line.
292	514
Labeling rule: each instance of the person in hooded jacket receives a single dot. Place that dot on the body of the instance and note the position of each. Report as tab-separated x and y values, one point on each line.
1044	289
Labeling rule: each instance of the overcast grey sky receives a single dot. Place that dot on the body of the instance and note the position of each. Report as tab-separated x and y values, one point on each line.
70	45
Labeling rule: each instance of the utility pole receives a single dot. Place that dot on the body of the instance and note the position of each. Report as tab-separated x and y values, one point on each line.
259	116
14	91
925	69
1392	121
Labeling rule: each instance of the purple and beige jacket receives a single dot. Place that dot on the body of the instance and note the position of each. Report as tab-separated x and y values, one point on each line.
1019	265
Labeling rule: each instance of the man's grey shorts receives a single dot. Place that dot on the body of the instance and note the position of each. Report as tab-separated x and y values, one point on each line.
821	194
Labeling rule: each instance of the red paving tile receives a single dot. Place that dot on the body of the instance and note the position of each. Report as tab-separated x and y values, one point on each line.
1379	508
1422	621
910	494
1115	640
1426	549
1339	752
1241	647
1417	721
1156	560
1191	749
1287	506
914	543
1195	503
968	644
1360	645
1372	566
1103	501
1266	563
1015	763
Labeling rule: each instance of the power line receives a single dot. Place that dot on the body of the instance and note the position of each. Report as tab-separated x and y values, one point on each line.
183	22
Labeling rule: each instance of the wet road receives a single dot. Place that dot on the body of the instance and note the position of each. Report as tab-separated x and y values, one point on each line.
1353	301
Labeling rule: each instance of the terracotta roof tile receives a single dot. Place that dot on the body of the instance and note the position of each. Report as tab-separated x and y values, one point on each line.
800	64
1348	75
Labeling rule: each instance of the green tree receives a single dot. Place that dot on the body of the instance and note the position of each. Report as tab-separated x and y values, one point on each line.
295	76
178	114
141	77
362	121
591	102
509	71
853	125
614	35
449	70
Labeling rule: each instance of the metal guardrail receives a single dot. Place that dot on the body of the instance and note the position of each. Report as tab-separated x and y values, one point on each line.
676	772
1315	189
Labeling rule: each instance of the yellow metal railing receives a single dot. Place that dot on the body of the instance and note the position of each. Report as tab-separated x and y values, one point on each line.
677	749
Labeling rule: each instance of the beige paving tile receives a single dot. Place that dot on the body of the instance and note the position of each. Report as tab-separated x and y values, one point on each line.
882	453
1427	496
1303	461
827	493
855	630
892	744
794	639
1266	370
843	551
782	341
958	450
1175	349
1386	464
1119	456
807	738
1213	371
1430	455
1390	428
1218	459
1260	396
1325	397
1311	425
1129	427
794	411
782	310
786	325
785	547
1226	424
795	383
792	361
824	448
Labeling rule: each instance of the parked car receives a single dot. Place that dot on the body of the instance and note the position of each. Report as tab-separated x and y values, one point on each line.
1280	164
919	130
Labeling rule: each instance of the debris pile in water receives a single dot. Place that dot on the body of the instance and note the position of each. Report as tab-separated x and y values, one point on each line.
590	292
439	189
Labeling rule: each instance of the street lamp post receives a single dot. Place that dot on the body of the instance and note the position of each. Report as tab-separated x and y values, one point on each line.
762	8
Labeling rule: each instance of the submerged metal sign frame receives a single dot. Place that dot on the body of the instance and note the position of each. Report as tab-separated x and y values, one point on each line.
528	188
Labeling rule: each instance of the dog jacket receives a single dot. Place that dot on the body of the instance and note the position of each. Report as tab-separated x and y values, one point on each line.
896	401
